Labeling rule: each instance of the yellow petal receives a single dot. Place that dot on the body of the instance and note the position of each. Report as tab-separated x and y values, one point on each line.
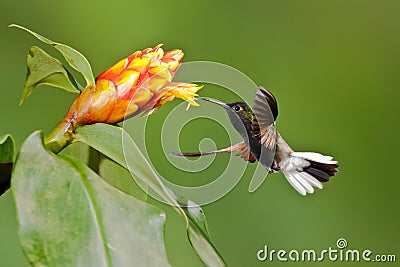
122	109
142	96
139	64
102	102
184	91
158	69
157	82
113	72
127	80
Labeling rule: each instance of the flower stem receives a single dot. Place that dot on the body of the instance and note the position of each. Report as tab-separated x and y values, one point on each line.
60	136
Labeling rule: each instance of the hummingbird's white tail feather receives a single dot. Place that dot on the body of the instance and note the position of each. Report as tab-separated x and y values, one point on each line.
311	180
302	182
306	170
317	157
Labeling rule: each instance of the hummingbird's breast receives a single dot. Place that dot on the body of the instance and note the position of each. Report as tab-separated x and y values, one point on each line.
266	156
254	144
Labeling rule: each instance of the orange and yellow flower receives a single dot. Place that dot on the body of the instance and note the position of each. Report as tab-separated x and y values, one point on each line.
139	83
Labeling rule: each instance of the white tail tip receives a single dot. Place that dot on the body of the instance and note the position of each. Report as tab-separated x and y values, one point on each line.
306	170
302	182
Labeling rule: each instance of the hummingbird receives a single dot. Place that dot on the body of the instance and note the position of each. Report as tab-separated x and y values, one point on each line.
263	143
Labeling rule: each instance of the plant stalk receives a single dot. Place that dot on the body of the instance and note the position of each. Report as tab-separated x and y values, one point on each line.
60	136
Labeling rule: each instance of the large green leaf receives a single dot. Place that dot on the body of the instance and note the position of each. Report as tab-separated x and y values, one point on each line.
109	170
7	151
120	178
74	58
44	69
68	216
109	141
79	151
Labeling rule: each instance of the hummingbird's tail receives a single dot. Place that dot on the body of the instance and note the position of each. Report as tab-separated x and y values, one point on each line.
191	154
306	170
198	154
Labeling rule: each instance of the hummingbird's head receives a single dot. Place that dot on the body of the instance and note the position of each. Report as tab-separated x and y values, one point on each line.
242	110
239	113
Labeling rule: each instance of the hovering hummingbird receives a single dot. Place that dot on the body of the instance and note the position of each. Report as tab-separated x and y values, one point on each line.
261	141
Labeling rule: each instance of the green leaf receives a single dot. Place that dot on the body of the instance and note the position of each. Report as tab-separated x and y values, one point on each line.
116	144
74	58
7	149
7	155
84	154
79	151
108	140
109	171
120	178
68	216
199	236
44	69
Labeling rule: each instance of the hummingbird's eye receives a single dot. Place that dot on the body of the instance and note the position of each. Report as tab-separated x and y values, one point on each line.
237	108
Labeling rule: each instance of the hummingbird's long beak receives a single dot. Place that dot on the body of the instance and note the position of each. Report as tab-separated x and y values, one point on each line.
214	101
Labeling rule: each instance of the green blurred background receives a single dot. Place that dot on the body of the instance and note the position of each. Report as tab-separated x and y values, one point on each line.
333	66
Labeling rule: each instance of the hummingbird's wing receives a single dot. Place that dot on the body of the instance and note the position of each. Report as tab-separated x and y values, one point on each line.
265	110
241	147
265	105
244	152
